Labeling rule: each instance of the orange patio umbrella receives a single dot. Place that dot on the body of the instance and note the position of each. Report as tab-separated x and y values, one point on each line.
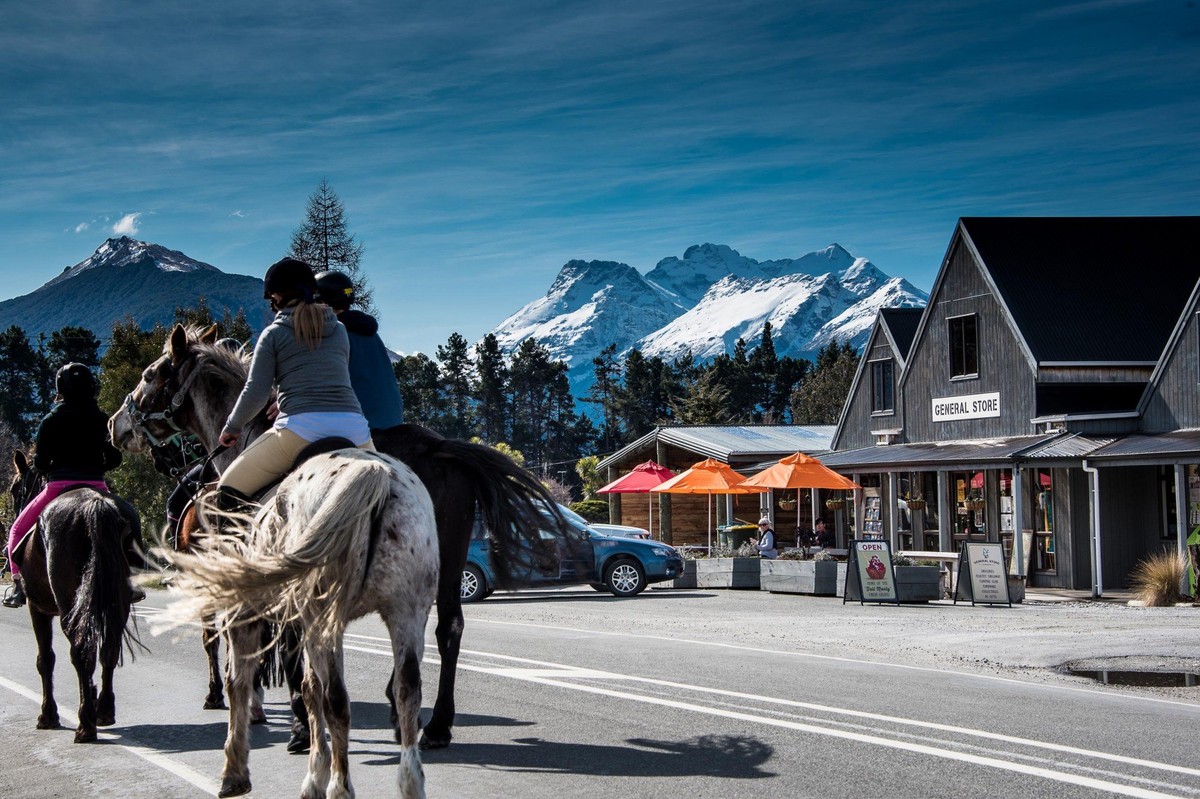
800	471
708	477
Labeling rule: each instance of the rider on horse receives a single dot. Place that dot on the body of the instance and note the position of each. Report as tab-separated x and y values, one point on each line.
72	450
304	354
371	372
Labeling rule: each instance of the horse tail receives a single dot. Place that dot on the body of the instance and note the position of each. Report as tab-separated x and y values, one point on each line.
316	545
513	503
100	613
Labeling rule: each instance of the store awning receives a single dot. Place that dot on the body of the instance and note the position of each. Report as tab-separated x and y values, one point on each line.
970	454
1177	446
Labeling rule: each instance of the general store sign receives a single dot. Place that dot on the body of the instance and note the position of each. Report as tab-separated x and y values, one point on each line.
971	406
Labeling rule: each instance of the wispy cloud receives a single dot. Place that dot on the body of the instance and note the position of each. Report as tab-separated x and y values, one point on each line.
127	225
82	226
239	214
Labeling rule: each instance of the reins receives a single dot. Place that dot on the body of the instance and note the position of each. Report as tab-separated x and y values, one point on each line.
140	418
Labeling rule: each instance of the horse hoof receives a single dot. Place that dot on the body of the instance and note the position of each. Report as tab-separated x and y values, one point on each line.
234	787
48	723
215	704
106	721
85	736
433	741
299	743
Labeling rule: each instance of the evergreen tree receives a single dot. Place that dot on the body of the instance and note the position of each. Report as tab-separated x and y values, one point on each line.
820	398
229	326
545	425
643	399
323	241
704	401
22	381
604	392
73	345
420	381
490	390
762	371
455	361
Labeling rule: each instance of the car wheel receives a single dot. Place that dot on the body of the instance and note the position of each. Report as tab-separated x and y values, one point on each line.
474	584
625	578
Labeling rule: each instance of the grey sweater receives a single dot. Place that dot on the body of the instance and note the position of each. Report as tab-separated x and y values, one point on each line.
308	380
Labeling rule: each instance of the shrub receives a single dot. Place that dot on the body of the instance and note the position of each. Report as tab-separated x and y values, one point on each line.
792	554
594	510
1158	578
901	560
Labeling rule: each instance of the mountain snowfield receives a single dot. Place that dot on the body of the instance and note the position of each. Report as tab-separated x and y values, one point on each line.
124	251
703	303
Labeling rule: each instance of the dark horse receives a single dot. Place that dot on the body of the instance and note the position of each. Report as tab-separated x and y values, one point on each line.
193	386
74	566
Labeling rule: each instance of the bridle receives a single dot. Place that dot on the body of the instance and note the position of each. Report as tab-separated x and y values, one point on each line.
178	451
24	488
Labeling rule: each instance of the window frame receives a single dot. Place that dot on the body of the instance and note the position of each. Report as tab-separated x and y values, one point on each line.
960	319
891	387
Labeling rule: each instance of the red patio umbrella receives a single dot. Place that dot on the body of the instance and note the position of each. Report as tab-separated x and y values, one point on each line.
640	480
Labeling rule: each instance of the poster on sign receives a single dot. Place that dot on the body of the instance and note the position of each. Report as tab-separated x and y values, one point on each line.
981	575
870	576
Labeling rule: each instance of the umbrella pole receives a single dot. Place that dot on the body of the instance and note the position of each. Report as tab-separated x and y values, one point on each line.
710	525
650	514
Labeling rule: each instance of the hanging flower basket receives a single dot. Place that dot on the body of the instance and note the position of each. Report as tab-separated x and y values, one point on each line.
975	504
835	504
916	503
787	504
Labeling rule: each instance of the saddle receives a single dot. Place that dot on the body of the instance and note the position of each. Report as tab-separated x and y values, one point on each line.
264	495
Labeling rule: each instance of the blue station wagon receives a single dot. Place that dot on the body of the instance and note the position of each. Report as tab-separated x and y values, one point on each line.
623	566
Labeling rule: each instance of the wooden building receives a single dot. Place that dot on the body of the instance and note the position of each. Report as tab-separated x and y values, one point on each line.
681	519
1051	387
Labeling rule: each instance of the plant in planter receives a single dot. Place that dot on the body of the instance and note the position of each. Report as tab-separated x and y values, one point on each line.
729	568
786	504
917	580
835	503
974	503
795	572
915	503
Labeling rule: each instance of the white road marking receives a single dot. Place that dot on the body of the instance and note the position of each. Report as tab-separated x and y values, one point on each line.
185	773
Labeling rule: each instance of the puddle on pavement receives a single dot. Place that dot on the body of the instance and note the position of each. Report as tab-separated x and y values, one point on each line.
1151	679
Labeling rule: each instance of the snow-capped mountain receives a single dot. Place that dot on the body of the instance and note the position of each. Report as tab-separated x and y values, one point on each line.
703	303
125	277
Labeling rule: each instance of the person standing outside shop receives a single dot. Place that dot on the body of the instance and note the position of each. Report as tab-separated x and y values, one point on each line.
371	372
822	537
765	543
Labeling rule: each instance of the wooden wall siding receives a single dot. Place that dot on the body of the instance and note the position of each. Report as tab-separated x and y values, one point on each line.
1002	365
1175	404
856	432
1130	524
1102	427
1093	374
1073	523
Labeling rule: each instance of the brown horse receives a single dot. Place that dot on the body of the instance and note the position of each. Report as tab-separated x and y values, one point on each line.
74	566
192	388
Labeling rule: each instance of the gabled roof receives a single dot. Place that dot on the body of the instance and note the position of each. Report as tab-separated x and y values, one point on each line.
737	442
901	325
882	329
1090	289
1190	308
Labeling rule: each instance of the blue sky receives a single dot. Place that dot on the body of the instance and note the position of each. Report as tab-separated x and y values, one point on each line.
479	146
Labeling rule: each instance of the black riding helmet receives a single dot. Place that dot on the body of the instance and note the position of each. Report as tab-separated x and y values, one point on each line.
290	278
75	382
336	290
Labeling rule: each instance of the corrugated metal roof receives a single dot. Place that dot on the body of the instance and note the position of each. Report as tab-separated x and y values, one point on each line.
1149	447
902	322
1068	446
738	442
952	453
1067	281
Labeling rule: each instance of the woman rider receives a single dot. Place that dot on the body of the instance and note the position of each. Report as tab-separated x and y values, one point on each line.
72	450
304	355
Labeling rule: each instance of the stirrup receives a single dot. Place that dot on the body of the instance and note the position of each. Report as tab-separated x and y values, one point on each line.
14	597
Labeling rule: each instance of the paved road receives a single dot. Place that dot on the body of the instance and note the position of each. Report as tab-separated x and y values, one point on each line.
703	694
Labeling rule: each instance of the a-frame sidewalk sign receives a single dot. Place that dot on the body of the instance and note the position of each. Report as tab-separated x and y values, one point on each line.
870	576
982	578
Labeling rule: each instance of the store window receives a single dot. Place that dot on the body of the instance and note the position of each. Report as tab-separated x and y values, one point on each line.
970	520
883	387
964	346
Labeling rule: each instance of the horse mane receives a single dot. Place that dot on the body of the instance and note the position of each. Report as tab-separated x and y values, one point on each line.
226	365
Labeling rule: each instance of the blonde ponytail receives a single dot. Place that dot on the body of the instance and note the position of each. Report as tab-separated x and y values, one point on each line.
308	322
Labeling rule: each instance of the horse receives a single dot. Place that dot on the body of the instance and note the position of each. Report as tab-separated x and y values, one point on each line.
73	564
348	533
193	386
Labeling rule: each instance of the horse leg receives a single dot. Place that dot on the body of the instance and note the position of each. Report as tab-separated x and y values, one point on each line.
315	680
106	705
293	670
337	712
243	660
43	631
436	734
212	647
83	658
407	644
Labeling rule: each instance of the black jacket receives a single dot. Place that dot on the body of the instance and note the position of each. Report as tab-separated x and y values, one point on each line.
72	443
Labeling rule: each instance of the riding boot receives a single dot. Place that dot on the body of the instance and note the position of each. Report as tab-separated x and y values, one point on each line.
15	596
231	501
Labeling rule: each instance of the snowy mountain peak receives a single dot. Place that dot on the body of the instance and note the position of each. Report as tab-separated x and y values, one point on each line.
125	251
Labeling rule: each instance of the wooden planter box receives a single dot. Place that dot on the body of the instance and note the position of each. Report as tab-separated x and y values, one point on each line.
918	583
819	577
727	573
1016	589
686	578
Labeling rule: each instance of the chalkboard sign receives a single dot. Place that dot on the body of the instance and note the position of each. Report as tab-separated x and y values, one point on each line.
981	575
870	576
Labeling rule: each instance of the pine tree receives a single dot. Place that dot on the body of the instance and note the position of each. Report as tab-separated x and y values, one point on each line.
22	378
603	392
643	399
456	387
419	381
323	241
820	398
490	391
73	345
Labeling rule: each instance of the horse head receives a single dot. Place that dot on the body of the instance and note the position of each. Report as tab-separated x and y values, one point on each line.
27	481
154	411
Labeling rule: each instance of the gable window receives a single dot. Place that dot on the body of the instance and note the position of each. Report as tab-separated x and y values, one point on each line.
883	391
964	346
